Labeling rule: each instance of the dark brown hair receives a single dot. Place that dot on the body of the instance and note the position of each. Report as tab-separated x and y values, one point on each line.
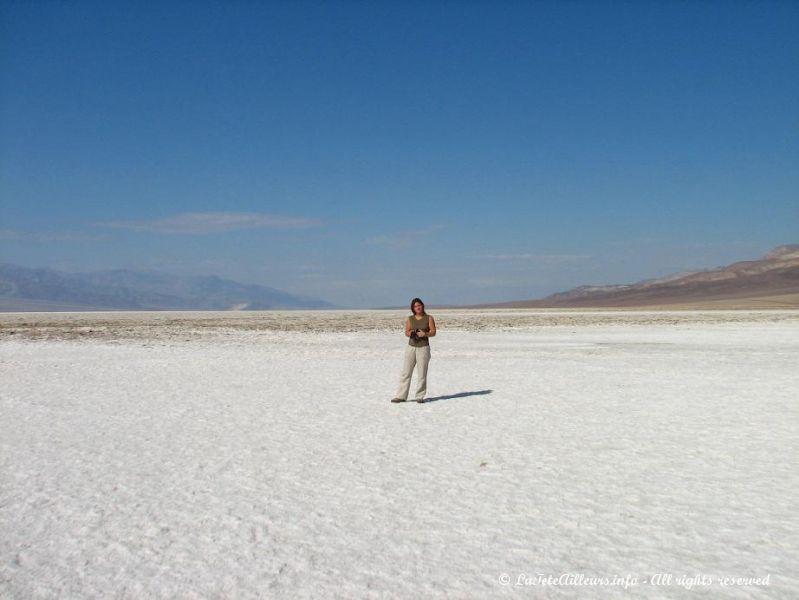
414	301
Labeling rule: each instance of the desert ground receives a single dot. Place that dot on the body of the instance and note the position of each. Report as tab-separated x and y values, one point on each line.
561	454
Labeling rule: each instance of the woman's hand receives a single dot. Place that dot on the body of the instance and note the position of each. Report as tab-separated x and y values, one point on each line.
422	334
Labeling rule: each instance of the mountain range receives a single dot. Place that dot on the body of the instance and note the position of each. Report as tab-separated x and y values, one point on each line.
770	281
45	289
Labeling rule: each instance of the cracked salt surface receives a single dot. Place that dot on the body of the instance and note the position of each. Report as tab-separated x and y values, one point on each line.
176	460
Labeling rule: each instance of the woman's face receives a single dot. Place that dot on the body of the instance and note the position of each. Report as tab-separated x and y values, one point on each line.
418	308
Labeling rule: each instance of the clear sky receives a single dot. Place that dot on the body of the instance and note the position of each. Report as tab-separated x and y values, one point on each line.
370	152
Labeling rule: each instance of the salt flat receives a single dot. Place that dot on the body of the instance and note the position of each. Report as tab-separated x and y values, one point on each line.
256	455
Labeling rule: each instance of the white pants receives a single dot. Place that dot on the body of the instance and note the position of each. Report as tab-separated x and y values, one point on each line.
420	358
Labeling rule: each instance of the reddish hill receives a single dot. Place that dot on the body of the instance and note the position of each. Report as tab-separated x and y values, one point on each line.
776	275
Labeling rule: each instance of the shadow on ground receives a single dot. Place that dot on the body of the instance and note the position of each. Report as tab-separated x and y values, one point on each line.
459	395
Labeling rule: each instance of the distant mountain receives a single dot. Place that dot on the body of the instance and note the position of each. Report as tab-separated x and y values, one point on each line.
775	274
44	289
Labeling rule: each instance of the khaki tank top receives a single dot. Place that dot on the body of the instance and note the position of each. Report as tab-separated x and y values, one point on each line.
424	325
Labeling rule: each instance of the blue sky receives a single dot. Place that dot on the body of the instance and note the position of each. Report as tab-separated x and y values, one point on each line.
370	152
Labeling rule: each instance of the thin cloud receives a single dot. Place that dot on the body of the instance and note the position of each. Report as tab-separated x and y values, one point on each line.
720	244
485	282
402	239
213	222
539	258
50	236
360	283
677	244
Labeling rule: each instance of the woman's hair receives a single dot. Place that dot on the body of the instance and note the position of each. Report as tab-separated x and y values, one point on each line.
414	301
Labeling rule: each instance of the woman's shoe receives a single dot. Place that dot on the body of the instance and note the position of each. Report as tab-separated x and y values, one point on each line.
421	400
398	400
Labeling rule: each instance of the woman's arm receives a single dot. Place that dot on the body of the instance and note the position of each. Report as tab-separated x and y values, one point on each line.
408	327
432	331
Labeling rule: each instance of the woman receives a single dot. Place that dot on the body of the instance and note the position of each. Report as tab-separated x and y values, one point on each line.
419	327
